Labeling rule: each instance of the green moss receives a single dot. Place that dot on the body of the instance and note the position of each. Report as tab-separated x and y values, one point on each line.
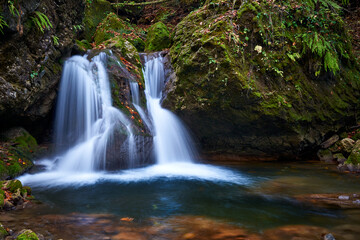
3	232
13	185
354	156
158	37
27	235
15	170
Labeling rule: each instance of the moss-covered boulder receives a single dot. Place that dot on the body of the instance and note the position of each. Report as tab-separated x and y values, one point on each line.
17	149
13	195
27	234
248	81
95	12
158	38
354	156
113	26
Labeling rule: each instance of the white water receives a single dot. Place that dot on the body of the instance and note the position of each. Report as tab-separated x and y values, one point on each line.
172	142
86	120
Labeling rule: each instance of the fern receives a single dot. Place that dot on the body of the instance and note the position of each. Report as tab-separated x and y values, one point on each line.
41	21
331	62
2	24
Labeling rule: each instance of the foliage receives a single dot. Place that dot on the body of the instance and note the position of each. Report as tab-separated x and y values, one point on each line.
55	40
41	21
2	24
13	10
307	30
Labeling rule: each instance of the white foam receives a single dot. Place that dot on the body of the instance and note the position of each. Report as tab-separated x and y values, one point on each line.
171	171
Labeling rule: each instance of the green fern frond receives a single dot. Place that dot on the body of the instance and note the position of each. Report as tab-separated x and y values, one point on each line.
331	62
41	21
2	24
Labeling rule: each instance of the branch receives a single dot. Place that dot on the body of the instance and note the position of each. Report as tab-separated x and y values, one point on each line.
119	5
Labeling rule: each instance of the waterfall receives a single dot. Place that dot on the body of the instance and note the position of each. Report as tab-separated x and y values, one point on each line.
172	141
85	117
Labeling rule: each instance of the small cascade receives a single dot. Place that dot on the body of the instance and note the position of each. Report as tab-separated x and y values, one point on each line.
172	141
85	118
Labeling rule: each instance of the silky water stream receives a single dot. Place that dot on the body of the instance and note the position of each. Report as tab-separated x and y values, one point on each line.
176	198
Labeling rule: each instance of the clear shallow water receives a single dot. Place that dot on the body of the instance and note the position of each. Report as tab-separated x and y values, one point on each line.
255	197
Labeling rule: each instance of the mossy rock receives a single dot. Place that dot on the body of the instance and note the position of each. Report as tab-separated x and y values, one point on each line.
20	148
3	232
158	38
354	156
27	234
95	12
13	185
243	93
108	28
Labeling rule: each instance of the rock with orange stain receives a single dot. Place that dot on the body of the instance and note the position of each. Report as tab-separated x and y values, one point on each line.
296	232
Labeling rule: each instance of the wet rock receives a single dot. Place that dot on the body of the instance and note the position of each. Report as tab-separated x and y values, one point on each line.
325	155
26	234
13	195
347	144
295	232
339	157
334	200
330	141
354	157
329	236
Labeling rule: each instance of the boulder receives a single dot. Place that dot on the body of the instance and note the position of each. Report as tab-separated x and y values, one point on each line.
339	157
325	155
330	141
354	157
26	234
158	38
347	144
241	95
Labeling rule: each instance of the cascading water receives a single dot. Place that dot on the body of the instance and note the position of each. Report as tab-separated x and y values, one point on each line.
172	142
87	126
85	117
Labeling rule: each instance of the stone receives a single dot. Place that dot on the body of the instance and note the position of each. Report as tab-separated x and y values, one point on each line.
330	141
329	236
233	108
295	232
347	144
332	200
158	38
354	157
26	234
339	157
325	155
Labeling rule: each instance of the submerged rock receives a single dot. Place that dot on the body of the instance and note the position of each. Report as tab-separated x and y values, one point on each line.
334	200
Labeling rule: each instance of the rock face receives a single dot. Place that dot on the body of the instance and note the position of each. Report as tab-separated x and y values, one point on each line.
30	58
249	90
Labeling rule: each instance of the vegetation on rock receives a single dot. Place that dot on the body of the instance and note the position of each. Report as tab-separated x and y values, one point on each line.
16	153
269	74
158	38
